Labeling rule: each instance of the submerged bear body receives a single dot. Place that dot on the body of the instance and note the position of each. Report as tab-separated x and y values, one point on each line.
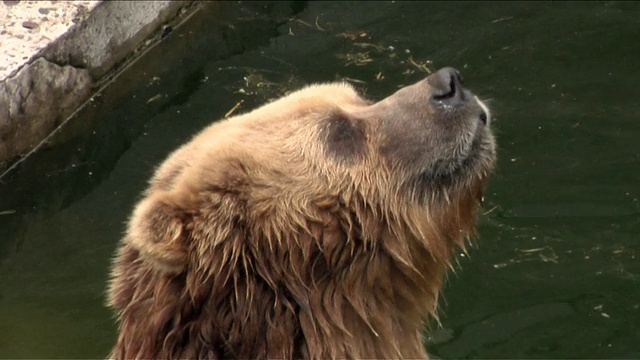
317	226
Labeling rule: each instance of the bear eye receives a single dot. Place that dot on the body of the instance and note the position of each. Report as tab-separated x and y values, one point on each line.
483	117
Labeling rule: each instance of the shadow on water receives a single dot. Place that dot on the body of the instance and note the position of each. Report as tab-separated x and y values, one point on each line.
556	272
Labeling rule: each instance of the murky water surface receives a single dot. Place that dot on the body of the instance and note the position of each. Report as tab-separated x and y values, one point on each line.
556	271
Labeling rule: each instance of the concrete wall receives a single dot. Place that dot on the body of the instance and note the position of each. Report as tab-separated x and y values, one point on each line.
53	82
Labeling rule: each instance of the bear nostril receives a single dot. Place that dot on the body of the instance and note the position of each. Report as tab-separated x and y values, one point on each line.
449	94
446	86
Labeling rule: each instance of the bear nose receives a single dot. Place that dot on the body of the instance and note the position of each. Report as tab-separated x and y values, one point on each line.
446	85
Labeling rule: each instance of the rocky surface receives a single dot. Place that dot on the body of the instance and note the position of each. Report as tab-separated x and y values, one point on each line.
35	101
112	31
51	54
27	27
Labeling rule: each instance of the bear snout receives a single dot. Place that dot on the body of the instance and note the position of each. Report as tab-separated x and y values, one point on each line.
447	93
446	88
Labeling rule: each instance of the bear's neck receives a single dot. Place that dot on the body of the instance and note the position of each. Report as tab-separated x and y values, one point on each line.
345	282
379	276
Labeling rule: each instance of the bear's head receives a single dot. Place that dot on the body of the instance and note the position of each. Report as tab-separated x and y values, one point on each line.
432	138
317	225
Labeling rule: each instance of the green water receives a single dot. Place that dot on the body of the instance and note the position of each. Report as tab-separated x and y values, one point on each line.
556	269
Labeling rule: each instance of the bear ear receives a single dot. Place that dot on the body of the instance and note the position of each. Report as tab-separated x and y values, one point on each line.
157	231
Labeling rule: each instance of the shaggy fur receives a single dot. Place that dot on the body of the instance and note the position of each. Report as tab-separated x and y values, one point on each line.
317	226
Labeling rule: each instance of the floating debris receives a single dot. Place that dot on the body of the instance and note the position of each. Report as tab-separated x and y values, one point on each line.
154	98
502	19
422	66
379	48
234	108
317	27
357	59
354	80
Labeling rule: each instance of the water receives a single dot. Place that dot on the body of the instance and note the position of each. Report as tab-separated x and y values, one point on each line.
556	270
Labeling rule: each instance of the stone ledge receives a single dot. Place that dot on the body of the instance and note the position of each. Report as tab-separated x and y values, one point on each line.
51	63
35	101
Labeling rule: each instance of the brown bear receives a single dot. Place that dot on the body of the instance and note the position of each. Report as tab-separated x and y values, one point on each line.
318	226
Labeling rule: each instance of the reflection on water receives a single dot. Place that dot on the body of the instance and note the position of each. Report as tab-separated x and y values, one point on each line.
556	271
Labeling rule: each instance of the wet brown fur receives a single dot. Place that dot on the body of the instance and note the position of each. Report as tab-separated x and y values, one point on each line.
259	240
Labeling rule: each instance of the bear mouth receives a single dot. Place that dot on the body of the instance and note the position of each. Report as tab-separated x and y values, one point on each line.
469	147
450	175
446	170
